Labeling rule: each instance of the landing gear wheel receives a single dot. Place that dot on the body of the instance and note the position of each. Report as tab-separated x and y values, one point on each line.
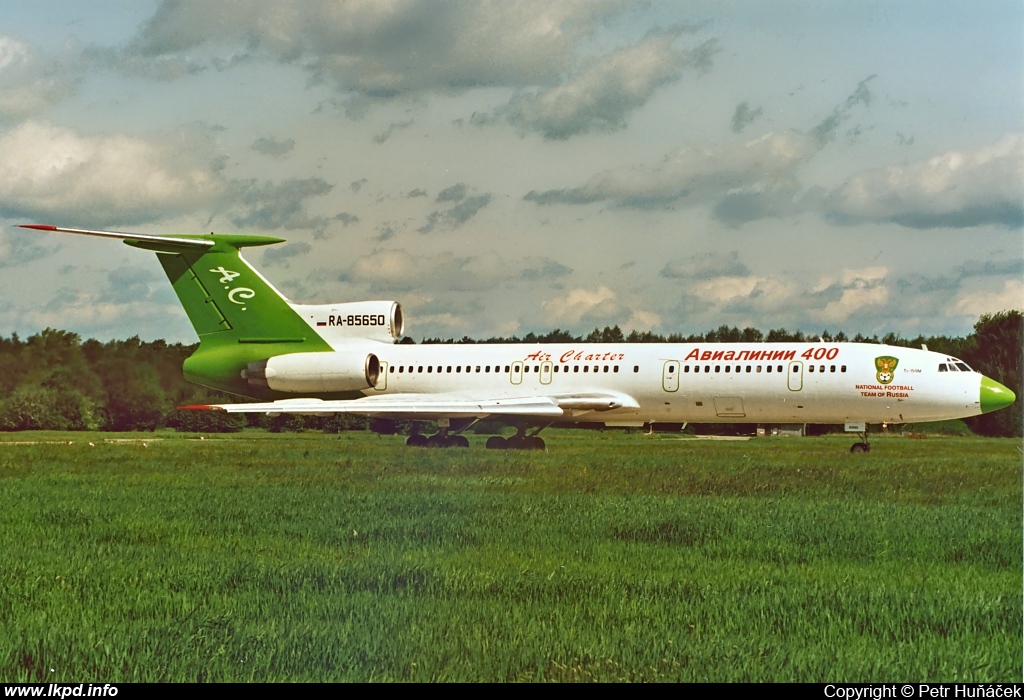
437	441
416	440
863	445
496	442
458	441
524	442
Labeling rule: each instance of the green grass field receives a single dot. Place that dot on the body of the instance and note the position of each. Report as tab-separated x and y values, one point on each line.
609	557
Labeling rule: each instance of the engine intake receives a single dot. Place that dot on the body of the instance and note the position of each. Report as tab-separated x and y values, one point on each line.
315	372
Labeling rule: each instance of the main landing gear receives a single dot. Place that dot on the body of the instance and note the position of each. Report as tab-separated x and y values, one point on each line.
519	441
863	445
442	439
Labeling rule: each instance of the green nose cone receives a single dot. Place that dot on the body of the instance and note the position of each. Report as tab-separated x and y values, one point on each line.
994	396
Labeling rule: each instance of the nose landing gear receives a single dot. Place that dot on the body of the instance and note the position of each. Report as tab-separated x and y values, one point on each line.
863	445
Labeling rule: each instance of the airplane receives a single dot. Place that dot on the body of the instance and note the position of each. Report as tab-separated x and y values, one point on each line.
327	359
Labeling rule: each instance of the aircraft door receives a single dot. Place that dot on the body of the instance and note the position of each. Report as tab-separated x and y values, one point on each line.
796	376
545	372
670	376
516	374
382	378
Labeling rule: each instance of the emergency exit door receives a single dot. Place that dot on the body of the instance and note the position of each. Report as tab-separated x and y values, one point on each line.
670	376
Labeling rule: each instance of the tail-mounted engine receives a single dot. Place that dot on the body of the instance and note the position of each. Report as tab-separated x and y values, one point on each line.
315	372
360	320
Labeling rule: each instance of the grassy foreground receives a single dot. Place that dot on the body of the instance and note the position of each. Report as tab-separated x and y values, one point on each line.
608	557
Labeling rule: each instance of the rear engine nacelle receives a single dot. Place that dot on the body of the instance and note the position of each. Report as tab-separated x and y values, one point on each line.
315	372
359	320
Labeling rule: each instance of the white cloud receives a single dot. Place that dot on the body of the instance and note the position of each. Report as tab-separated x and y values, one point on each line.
398	271
12	52
849	294
51	172
856	298
985	301
583	308
956	189
693	174
724	289
706	265
379	48
570	308
601	96
28	83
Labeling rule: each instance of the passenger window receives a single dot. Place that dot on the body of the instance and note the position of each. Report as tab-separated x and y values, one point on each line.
821	368
810	368
843	368
759	369
727	368
738	370
718	368
614	370
748	369
419	370
796	368
508	368
769	369
832	368
449	370
391	369
586	368
430	368
779	368
596	368
401	369
575	368
458	369
636	368
478	368
686	369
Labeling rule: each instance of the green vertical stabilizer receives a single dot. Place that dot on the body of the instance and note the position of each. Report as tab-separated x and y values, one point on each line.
238	316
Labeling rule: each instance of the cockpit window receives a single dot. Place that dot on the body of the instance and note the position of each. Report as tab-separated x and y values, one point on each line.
963	367
943	368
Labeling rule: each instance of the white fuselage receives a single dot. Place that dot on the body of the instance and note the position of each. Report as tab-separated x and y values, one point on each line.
703	383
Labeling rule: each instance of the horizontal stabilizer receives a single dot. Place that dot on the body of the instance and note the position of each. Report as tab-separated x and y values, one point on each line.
142	237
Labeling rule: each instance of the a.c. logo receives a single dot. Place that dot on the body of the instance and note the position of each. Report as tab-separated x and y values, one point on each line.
886	366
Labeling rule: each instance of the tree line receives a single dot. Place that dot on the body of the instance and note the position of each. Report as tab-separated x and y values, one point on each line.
55	381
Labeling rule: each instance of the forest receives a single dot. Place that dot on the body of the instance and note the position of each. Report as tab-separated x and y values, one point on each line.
54	380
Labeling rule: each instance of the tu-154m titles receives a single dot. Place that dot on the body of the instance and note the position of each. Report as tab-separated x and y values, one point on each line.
342	358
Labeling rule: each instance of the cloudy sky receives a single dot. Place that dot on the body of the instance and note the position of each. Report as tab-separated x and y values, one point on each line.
505	167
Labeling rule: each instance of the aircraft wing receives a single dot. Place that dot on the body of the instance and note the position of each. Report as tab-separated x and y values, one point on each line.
433	406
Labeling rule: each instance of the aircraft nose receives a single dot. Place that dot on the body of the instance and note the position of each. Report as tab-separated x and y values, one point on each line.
994	395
